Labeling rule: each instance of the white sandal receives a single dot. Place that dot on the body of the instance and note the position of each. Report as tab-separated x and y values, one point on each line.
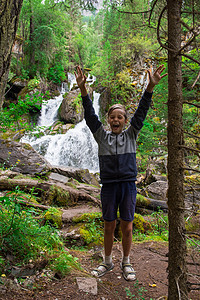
98	272
128	272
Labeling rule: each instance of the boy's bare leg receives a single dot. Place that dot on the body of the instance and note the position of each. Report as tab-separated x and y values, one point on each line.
128	271
127	228
109	229
106	265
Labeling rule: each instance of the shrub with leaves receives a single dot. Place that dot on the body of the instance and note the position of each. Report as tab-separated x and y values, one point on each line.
23	237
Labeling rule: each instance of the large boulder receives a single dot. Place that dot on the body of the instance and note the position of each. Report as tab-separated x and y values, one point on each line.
22	158
81	175
71	109
156	190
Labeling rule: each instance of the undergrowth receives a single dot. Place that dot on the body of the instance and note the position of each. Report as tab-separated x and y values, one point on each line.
30	235
23	238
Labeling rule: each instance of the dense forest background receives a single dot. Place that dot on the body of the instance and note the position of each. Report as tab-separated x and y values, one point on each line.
114	42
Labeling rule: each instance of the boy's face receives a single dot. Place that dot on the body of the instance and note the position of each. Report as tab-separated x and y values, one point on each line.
117	120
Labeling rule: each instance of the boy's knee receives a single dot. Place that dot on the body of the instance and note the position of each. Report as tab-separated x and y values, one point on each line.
127	228
109	227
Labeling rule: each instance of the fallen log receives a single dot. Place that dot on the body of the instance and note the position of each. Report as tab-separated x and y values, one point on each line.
50	192
152	204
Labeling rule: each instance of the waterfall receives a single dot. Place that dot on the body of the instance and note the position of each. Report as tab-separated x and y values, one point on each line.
76	148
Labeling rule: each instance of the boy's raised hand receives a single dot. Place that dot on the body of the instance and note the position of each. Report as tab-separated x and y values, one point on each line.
80	77
155	77
81	80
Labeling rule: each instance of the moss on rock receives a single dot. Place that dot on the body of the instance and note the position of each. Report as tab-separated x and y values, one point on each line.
58	196
142	200
90	228
140	224
54	217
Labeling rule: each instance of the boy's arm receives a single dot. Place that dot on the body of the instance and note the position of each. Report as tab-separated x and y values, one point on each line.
141	112
89	113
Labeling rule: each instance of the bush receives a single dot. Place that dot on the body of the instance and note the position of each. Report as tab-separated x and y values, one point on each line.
56	74
23	237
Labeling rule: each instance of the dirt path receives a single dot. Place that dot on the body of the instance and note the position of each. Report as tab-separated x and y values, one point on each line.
149	260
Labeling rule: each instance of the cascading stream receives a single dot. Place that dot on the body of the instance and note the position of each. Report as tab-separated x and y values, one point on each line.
75	148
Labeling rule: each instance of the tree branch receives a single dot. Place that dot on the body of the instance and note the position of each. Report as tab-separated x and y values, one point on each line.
190	103
187	44
154	4
190	149
196	80
190	169
189	57
193	135
158	32
131	12
191	12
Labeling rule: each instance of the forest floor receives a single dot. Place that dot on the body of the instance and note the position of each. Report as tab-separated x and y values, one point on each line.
150	263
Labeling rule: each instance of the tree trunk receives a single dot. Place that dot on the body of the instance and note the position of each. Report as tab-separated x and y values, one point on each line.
9	16
31	39
177	288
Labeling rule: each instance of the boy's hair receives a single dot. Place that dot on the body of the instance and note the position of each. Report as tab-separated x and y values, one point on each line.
117	106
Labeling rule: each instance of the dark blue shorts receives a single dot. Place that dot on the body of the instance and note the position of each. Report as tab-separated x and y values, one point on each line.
120	195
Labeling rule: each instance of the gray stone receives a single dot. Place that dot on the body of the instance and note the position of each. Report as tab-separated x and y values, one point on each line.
58	177
70	213
157	190
82	175
88	285
71	111
22	158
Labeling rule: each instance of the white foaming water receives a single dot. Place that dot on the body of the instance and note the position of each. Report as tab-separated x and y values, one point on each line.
76	148
49	110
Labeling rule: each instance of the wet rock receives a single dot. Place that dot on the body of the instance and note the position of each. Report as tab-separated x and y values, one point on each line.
22	158
71	109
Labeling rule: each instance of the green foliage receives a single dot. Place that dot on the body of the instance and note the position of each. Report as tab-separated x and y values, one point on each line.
92	228
22	236
11	117
56	74
153	227
153	136
138	291
2	264
63	263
